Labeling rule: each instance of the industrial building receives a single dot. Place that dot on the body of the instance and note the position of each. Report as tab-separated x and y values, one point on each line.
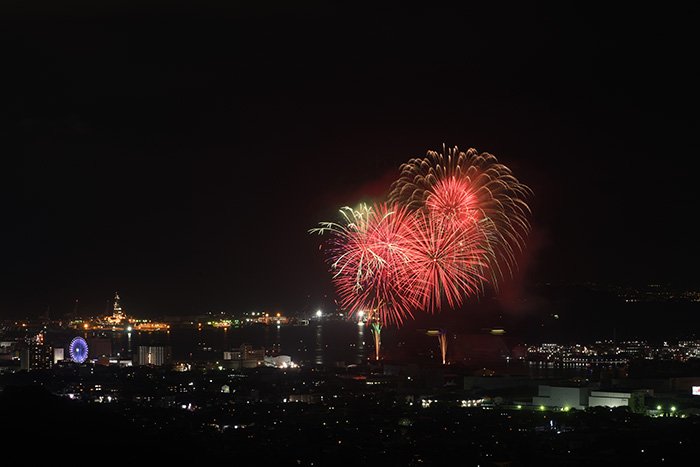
557	396
582	397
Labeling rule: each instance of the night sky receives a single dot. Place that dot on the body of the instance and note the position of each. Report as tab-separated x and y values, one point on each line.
180	153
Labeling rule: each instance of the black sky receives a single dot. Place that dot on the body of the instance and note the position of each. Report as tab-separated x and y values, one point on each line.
179	152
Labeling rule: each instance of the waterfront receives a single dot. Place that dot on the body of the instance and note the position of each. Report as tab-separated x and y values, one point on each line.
334	344
315	344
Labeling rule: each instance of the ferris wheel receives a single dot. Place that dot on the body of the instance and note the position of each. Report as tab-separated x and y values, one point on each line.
78	350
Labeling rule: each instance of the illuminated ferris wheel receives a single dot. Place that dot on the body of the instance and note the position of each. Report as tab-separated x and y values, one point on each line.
78	350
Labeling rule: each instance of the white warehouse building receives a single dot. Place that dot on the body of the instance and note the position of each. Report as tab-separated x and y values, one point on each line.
557	396
580	398
609	399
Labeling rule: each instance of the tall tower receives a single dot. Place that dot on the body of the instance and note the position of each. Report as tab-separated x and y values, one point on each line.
117	307
117	313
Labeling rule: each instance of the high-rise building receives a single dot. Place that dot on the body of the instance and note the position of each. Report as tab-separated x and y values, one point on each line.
37	355
156	355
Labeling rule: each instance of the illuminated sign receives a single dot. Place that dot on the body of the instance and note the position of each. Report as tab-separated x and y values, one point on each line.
696	390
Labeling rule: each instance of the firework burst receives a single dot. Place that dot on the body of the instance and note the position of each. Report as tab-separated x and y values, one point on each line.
454	222
449	263
370	257
464	191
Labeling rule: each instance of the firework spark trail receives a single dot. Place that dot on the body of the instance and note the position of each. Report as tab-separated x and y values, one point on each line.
442	339
377	335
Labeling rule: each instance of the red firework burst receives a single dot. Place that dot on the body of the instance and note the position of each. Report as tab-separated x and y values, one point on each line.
370	255
462	190
454	221
452	202
449	262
